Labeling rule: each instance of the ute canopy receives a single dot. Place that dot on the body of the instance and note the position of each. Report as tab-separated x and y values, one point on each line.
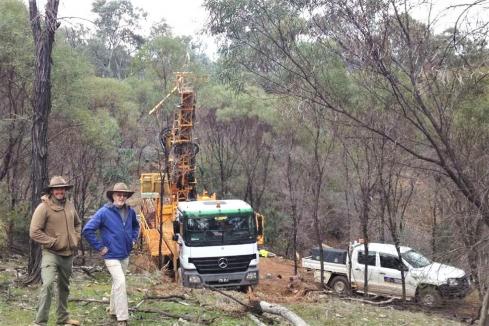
330	255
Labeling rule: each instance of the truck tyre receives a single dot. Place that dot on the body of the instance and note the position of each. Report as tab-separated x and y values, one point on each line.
245	288
429	297
340	285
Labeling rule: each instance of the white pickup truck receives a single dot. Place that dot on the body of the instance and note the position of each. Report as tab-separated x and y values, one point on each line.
426	282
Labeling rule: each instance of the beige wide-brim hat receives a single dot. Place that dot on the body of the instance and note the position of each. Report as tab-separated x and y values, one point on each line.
57	182
119	187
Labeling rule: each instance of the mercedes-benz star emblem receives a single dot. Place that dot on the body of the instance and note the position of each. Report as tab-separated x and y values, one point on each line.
222	262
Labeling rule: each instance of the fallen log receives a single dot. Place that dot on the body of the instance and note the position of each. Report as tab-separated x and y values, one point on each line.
279	310
260	307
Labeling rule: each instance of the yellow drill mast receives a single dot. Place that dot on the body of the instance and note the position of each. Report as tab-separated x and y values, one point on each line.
162	191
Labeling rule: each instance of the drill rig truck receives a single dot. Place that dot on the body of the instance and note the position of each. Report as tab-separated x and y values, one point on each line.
208	242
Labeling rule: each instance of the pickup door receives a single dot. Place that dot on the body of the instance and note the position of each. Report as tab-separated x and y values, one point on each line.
389	277
358	270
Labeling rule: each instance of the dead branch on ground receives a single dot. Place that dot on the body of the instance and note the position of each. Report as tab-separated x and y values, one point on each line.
376	303
259	307
88	300
164	297
174	316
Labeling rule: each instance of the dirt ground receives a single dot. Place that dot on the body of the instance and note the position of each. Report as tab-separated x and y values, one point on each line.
278	284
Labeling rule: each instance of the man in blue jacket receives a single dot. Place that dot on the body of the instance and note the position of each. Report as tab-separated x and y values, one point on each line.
118	232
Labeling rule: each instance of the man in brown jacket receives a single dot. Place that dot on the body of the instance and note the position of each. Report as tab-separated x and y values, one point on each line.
55	225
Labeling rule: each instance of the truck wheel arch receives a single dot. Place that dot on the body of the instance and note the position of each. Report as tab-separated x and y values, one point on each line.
428	295
340	284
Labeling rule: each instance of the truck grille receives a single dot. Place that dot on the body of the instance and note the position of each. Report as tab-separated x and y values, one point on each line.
226	264
459	290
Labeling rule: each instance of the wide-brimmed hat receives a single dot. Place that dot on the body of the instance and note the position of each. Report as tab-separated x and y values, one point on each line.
119	187
57	182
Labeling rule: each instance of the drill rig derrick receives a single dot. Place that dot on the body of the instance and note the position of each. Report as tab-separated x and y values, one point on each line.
217	239
176	182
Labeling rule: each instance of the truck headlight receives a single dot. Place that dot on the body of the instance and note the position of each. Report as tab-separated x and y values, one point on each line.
453	281
194	279
252	276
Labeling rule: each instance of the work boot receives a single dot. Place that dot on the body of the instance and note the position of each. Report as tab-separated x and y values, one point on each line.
72	322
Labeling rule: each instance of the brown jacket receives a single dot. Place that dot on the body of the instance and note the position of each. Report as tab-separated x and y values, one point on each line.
57	228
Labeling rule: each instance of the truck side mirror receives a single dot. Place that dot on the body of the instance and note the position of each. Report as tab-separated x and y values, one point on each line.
176	227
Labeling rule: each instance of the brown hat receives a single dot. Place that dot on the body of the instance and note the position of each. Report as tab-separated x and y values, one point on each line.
119	187
57	182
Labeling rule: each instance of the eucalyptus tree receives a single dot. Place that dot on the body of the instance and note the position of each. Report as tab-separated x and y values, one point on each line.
428	82
424	80
235	133
43	32
16	74
362	179
396	184
116	37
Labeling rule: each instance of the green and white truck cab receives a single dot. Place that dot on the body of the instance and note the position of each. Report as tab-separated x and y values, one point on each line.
217	244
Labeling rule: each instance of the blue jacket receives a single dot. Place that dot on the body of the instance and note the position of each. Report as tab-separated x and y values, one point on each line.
113	233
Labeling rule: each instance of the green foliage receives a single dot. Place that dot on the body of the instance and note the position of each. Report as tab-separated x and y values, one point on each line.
70	72
116	37
98	128
3	234
161	57
473	112
14	221
122	170
252	102
17	50
115	97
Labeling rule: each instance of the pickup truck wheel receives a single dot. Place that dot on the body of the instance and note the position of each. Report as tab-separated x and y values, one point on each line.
429	297
340	285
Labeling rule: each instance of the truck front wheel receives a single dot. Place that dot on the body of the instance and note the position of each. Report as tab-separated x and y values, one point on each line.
340	285
429	296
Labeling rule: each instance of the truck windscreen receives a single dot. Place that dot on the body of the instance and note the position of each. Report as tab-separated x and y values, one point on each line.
220	230
415	259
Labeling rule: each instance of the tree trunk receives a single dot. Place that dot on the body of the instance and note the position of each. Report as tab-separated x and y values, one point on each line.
294	238
43	40
364	222
484	316
382	221
433	232
403	275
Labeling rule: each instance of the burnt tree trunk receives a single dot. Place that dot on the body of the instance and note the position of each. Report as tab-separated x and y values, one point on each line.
364	225
484	312
43	40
